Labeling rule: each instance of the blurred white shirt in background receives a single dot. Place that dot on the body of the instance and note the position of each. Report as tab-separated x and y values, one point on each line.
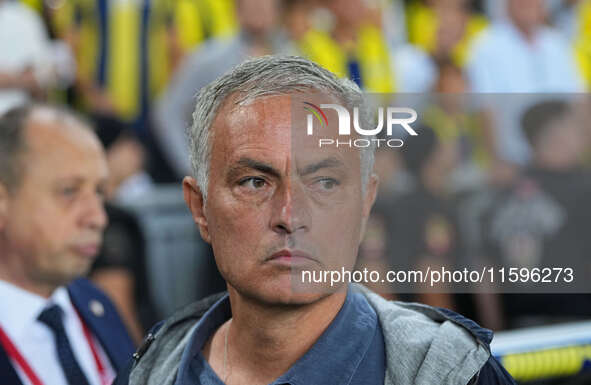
23	44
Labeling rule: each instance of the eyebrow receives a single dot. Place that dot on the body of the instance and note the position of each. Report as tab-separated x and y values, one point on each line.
331	162
265	168
256	165
75	179
78	180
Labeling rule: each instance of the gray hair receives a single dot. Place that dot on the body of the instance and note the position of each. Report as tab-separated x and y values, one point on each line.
12	145
266	76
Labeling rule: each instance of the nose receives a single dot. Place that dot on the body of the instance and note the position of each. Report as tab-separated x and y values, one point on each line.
290	213
94	214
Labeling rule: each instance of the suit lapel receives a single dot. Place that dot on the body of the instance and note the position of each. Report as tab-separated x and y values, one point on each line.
104	323
7	372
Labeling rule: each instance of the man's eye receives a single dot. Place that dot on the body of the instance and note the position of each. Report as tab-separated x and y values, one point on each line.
69	191
254	183
327	183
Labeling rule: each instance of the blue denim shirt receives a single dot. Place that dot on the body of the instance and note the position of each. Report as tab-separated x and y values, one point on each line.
350	351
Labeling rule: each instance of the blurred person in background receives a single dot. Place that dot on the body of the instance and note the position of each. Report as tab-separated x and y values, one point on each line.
26	70
353	43
543	219
125	53
520	55
354	47
55	327
453	116
122	55
444	28
259	35
421	225
151	28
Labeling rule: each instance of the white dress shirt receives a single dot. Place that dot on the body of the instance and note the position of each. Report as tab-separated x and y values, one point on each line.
34	340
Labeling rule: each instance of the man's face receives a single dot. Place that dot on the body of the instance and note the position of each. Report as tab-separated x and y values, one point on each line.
53	222
277	204
349	12
258	17
561	144
527	14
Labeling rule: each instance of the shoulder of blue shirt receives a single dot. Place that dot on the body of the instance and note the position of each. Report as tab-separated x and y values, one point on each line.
491	373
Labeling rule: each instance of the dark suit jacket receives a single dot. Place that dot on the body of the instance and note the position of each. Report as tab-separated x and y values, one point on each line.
107	327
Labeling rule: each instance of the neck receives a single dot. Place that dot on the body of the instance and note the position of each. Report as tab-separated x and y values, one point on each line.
345	34
264	342
259	44
15	274
527	31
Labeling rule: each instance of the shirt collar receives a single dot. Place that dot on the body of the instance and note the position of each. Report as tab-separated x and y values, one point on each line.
20	308
61	297
517	35
333	359
336	355
193	365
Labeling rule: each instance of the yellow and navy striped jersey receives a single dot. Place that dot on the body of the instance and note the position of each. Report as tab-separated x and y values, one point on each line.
368	63
197	20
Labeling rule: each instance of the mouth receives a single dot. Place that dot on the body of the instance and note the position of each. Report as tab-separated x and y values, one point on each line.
88	250
291	258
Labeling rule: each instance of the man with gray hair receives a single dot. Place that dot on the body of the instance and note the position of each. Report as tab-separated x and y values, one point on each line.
274	204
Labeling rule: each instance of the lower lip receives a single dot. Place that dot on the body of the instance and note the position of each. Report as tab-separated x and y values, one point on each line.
87	251
291	261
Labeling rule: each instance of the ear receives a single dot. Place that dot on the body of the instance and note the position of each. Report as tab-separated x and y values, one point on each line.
371	192
4	197
194	200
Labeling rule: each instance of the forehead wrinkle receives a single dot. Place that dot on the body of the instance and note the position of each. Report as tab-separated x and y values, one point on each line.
242	120
60	149
263	125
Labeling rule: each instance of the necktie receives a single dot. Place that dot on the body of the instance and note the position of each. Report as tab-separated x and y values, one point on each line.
53	318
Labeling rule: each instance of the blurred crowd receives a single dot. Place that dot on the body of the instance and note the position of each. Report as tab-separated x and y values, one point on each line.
476	185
